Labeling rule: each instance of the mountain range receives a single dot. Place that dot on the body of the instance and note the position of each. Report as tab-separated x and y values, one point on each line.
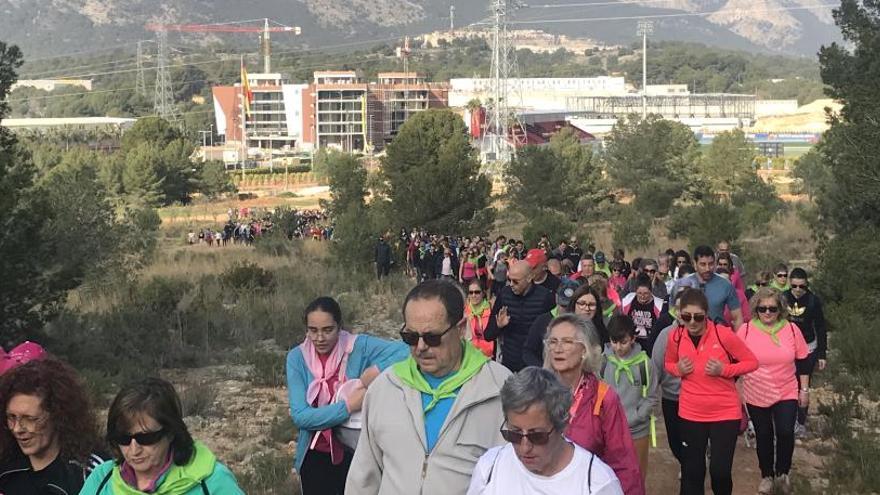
56	27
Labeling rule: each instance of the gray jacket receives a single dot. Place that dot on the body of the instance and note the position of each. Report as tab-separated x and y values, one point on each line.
638	407
670	385
391	457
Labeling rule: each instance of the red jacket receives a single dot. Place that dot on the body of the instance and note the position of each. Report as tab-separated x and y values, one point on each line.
707	398
477	325
606	434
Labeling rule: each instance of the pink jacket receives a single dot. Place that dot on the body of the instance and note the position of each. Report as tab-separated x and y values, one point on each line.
606	434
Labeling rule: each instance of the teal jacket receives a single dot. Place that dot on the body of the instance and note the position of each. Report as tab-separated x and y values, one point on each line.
179	480
368	351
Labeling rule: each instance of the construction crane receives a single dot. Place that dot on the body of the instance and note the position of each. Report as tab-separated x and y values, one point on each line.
233	27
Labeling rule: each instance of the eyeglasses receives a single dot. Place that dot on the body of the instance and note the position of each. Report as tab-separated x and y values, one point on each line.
697	317
799	286
145	438
512	281
431	339
560	343
767	309
535	437
586	305
782	275
28	423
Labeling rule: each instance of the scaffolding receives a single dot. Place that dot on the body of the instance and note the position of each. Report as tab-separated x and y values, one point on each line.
709	105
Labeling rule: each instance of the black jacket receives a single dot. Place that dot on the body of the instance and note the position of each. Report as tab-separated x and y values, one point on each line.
523	311
383	253
58	478
810	318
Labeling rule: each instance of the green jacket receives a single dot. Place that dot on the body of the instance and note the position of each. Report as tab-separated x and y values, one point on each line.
179	480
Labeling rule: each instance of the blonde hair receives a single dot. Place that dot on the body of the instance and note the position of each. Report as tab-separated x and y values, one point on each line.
585	334
769	293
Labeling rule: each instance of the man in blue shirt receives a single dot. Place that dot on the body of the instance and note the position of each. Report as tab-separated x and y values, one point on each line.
718	290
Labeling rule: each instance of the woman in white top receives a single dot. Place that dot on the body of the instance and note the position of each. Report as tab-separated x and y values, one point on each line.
539	459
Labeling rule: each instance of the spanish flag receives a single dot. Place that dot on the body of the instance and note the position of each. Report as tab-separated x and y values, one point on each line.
246	92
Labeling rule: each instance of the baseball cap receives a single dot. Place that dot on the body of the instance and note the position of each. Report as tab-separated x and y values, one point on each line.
599	257
565	291
535	257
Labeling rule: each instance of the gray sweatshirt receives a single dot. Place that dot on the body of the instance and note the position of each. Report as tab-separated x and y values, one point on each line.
669	385
638	407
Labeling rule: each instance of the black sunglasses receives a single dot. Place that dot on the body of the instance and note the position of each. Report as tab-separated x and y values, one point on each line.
687	317
799	286
146	438
474	292
535	437
761	284
431	339
650	271
767	309
781	275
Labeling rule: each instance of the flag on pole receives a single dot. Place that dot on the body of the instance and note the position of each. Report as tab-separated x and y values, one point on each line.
247	94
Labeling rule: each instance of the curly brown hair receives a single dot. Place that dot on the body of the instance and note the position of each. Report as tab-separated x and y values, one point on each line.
64	398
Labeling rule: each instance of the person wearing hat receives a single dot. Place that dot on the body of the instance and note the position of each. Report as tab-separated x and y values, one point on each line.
537	260
533	349
602	263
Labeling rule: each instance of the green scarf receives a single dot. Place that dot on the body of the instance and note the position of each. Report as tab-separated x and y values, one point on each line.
773	331
625	366
179	480
554	312
673	312
479	308
609	311
781	288
472	362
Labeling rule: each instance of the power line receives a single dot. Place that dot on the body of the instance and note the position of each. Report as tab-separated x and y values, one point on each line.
666	16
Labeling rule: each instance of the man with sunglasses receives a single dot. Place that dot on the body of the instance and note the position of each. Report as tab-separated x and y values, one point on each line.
515	310
428	419
538	457
805	309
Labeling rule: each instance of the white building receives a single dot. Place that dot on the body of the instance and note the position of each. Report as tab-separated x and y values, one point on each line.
545	93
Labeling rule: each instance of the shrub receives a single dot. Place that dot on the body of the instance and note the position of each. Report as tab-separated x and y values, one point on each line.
198	400
271	474
247	276
275	244
706	223
632	229
283	430
552	223
268	367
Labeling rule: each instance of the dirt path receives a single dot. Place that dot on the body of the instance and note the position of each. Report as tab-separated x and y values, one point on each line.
663	468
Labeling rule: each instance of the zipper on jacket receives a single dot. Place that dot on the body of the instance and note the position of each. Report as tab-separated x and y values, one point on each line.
425	467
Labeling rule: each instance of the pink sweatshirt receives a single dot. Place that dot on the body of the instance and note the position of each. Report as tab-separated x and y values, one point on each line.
775	379
707	398
606	435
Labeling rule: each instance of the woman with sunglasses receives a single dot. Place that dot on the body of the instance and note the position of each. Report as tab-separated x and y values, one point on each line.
774	391
49	432
153	449
598	421
708	358
317	369
539	458
762	279
477	310
780	278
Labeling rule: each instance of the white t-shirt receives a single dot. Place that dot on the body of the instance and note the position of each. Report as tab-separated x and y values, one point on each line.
509	476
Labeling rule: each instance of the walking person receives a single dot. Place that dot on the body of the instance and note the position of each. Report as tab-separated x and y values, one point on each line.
49	436
629	370
477	310
153	450
329	361
428	420
538	457
382	258
598	421
773	392
707	357
805	310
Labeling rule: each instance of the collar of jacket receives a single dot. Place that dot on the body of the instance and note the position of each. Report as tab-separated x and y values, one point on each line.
484	386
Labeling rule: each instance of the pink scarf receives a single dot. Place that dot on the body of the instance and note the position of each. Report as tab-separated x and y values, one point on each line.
319	389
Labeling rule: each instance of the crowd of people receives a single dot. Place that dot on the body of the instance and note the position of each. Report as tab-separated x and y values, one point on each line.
679	336
517	372
244	226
